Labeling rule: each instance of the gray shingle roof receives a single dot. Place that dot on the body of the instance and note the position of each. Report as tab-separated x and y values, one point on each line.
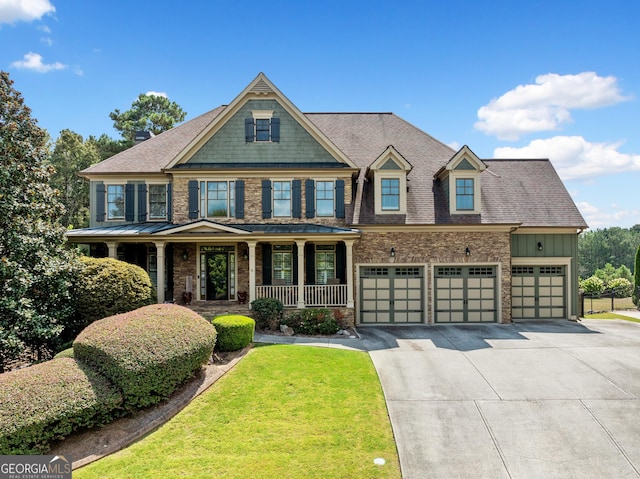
527	192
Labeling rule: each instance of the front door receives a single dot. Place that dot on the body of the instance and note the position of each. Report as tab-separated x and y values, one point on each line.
217	275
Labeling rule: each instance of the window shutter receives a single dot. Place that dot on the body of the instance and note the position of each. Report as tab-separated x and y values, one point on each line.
294	264
310	262
249	130
310	193
341	262
193	199
266	199
275	130
100	199
339	198
169	203
129	205
240	199
142	202
296	198
267	265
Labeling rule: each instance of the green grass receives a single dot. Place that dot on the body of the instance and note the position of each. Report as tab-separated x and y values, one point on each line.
283	412
611	316
604	304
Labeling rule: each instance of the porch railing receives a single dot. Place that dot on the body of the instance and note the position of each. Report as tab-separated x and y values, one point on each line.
316	295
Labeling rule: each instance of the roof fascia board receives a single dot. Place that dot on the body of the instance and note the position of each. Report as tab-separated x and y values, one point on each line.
246	95
462	153
527	230
262	173
391	151
437	228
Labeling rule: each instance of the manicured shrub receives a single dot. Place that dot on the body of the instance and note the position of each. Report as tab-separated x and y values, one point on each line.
267	313
107	287
592	285
234	331
622	288
149	352
312	321
65	353
48	401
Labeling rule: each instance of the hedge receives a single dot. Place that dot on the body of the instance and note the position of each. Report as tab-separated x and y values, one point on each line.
234	331
107	286
49	401
149	352
312	321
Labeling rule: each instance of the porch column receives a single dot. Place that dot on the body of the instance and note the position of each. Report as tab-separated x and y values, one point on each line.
113	249
252	270
350	285
160	269
300	244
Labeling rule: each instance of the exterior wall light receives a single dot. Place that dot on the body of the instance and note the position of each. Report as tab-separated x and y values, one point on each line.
185	255
539	245
393	252
467	251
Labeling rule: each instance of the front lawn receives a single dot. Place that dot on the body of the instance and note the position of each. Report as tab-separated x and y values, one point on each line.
283	412
611	316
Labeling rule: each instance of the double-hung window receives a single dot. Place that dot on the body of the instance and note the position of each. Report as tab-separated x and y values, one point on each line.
217	199
157	202
281	198
325	196
464	194
263	129
325	263
282	264
115	202
390	194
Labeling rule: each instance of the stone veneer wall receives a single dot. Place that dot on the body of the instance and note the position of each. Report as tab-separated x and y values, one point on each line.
252	203
441	248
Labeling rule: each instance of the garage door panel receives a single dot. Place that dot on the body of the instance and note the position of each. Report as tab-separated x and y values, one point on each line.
466	294
391	294
543	297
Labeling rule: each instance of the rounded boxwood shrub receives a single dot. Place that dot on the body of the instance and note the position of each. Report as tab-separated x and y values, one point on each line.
149	352
267	312
234	331
65	353
107	286
48	401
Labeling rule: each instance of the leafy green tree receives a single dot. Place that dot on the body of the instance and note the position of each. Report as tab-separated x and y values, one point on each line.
36	270
624	273
606	274
636	280
107	146
609	245
148	112
72	154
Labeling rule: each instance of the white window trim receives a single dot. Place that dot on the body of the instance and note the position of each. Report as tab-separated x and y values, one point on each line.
261	115
315	185
390	174
167	205
273	196
204	211
460	175
106	199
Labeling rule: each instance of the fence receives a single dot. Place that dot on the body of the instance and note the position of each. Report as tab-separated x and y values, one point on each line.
605	301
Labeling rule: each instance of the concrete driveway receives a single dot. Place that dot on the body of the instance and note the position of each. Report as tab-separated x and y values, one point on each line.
529	400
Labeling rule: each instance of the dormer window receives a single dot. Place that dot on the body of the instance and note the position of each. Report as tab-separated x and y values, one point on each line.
390	194
390	172
262	127
464	194
461	180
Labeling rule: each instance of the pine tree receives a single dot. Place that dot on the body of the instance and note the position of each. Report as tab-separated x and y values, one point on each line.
36	269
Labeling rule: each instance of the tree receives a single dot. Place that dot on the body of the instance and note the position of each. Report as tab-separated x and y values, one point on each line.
107	146
148	112
72	154
636	280
36	270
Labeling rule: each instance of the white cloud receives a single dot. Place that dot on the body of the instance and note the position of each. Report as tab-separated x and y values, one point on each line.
47	41
597	218
546	105
576	158
33	61
24	10
454	145
157	93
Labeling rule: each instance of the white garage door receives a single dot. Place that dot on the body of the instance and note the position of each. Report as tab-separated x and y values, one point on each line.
465	294
538	292
391	294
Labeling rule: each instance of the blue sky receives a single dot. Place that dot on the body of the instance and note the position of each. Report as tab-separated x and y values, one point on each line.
541	79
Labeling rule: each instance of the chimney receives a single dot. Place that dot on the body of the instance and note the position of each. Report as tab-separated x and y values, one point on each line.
141	136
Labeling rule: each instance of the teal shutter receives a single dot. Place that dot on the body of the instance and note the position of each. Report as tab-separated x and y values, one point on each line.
296	198
193	199
169	203
310	194
294	264
240	199
129	199
339	198
249	130
310	262
275	130
142	202
266	199
341	262
267	265
100	200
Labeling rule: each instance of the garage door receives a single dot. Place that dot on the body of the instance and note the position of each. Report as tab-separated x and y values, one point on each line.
465	294
538	292
391	294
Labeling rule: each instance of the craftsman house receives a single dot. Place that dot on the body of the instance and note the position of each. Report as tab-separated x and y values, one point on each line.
358	211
